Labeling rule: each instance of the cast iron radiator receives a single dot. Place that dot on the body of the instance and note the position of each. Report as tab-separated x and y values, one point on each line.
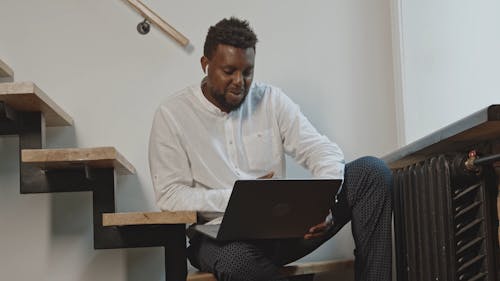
444	218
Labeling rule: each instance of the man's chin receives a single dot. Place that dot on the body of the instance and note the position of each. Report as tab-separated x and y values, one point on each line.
234	103
233	106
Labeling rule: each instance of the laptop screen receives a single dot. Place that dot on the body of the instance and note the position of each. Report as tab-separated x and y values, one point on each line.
276	208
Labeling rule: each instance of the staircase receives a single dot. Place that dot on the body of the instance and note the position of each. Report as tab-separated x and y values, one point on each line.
6	71
26	111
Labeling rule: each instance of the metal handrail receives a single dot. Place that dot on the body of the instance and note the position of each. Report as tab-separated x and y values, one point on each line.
157	21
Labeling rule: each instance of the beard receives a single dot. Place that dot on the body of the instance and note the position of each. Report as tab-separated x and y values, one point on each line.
222	99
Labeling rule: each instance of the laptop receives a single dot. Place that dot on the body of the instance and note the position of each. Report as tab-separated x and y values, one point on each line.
273	208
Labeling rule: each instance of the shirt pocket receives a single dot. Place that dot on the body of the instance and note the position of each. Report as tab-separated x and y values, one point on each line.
259	150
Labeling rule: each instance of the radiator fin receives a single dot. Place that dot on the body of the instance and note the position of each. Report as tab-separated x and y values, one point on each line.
440	218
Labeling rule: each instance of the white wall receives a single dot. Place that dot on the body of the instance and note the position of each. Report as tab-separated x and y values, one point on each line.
332	57
450	60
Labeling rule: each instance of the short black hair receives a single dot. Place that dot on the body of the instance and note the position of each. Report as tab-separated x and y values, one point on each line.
233	32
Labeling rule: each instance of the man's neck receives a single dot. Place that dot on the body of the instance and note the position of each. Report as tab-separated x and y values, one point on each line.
206	93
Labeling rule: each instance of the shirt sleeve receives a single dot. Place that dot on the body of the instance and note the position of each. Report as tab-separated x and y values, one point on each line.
171	173
315	152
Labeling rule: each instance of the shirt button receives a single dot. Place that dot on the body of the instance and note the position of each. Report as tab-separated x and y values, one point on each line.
230	142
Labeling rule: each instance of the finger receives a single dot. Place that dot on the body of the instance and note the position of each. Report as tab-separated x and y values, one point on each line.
268	175
313	235
319	227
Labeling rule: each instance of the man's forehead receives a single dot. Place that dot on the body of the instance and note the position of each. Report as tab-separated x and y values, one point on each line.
227	52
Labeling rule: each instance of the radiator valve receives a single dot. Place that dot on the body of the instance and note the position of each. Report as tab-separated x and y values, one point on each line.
469	163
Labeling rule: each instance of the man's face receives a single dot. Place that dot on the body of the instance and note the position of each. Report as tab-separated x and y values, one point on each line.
229	76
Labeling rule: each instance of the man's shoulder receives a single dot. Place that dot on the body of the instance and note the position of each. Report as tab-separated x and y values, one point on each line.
259	87
261	90
269	94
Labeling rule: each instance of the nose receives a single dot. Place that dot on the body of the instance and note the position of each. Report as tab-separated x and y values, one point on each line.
238	78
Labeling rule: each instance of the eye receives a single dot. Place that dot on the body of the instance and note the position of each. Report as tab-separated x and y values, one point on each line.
228	71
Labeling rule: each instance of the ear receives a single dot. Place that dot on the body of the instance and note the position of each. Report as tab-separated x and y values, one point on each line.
204	64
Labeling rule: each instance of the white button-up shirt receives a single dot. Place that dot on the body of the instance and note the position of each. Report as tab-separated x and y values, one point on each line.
197	151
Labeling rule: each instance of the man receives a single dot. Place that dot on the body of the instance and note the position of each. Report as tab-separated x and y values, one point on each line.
228	127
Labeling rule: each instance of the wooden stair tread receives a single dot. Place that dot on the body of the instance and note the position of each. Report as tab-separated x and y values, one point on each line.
293	269
26	96
98	157
143	218
5	70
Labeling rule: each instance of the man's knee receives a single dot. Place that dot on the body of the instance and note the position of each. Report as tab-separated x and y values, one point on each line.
376	167
241	263
243	269
371	171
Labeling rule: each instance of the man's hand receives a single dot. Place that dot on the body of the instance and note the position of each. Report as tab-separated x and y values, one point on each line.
318	230
267	176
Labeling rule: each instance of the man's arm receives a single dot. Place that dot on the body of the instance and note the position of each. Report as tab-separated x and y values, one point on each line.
171	173
302	141
312	150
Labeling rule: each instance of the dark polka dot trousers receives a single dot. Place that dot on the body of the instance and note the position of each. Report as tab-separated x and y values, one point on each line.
364	200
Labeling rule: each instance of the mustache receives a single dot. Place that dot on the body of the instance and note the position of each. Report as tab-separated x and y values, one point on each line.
237	90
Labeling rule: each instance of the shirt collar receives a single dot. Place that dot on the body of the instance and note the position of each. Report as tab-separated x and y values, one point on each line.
209	106
205	103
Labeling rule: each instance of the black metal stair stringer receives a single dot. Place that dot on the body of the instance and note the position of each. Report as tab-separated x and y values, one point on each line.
30	127
171	237
8	120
